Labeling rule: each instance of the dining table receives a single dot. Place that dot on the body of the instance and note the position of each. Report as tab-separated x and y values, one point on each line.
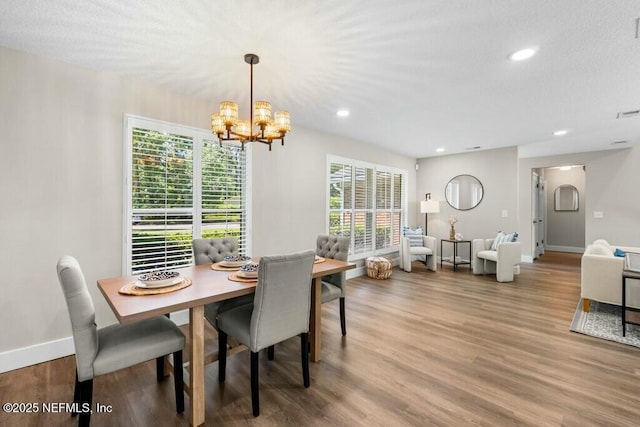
207	286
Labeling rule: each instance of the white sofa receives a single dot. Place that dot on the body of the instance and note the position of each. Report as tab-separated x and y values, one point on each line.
503	262
408	252
601	276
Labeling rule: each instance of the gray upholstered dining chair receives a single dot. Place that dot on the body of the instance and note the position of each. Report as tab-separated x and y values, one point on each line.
209	251
333	286
280	311
115	347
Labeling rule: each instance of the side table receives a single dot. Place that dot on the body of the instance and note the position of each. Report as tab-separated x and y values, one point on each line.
631	270
456	260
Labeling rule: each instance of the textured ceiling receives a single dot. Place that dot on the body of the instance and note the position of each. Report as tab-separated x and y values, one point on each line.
415	74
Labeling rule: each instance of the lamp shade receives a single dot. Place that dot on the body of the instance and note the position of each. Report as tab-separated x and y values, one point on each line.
429	206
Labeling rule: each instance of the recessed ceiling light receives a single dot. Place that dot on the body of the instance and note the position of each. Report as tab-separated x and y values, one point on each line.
561	132
565	168
342	113
439	150
523	54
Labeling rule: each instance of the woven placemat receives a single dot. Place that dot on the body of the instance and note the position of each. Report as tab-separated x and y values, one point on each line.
219	267
319	260
235	278
132	289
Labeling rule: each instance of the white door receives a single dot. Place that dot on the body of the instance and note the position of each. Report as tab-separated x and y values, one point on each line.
535	214
542	214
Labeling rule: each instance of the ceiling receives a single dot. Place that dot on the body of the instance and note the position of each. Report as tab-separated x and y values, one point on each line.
416	75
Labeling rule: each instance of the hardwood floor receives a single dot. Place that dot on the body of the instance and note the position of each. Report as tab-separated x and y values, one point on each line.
422	348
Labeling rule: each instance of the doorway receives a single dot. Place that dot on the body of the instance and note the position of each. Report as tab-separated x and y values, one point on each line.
538	213
565	213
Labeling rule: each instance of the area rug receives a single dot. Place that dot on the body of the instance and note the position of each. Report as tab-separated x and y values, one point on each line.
604	321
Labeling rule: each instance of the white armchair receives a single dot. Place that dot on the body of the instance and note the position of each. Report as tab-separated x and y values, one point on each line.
408	252
503	262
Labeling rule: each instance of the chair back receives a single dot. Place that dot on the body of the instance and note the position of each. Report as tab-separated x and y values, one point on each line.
334	247
208	251
82	314
282	301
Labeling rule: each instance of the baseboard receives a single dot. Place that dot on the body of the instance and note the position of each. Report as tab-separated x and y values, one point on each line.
526	258
180	317
356	272
34	354
570	249
47	351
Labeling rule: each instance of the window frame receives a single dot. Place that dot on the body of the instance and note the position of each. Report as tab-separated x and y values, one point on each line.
401	212
198	136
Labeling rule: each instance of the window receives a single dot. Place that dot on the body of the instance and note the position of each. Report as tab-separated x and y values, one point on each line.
366	204
179	185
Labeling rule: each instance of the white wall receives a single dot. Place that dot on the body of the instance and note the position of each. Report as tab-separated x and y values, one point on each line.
290	186
496	170
62	172
61	175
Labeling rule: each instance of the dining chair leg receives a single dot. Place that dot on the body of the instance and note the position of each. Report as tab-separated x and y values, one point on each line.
86	401
271	352
222	355
304	345
255	396
76	396
160	368
178	381
343	324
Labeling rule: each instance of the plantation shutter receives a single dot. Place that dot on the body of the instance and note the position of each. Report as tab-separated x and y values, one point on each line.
180	186
162	200
224	210
363	209
397	221
383	209
367	204
340	199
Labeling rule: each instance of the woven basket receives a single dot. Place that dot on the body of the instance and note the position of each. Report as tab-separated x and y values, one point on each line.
378	268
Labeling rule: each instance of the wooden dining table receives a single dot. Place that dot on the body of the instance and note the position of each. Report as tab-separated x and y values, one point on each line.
207	286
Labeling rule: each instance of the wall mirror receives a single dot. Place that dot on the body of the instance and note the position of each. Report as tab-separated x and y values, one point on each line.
565	198
464	192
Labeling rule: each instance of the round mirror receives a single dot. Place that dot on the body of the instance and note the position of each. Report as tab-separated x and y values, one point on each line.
464	192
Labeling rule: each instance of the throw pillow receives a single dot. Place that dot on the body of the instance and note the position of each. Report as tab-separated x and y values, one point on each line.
503	238
414	236
598	249
619	252
603	243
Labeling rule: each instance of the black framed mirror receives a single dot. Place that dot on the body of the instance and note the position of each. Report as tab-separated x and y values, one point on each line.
464	192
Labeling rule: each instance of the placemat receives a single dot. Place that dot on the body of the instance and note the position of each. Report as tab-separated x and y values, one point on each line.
235	278
216	266
319	260
132	289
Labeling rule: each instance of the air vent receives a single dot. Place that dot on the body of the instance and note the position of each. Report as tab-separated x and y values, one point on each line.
619	142
627	114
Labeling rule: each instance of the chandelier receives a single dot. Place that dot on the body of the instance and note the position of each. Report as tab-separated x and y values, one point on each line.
260	127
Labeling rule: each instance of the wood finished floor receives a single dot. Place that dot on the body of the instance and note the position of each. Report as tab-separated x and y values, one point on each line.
423	348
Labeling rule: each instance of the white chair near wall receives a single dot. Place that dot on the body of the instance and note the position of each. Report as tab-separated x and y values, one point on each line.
501	259
414	245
